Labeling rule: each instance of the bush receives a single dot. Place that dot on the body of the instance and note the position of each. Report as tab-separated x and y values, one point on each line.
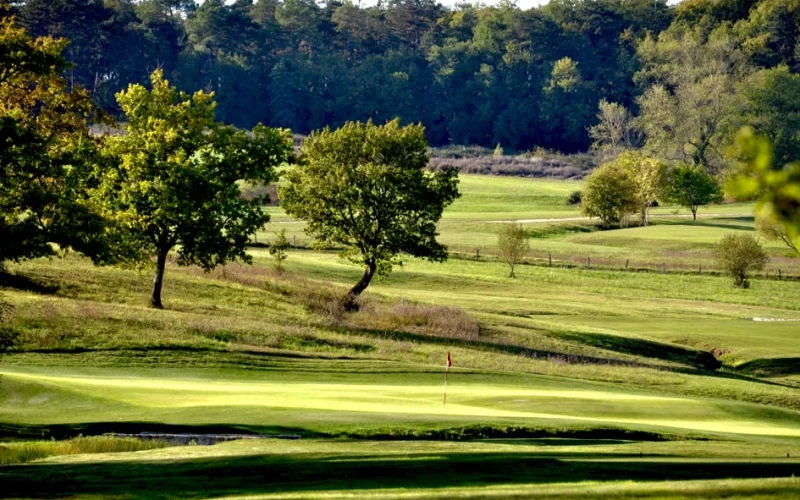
609	194
574	198
740	255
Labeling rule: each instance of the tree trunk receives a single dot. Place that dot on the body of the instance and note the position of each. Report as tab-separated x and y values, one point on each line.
694	213
158	281
350	301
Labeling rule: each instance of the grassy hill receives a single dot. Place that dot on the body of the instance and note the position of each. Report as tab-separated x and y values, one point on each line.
566	380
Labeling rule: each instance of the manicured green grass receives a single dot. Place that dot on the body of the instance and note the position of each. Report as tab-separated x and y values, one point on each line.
321	403
495	469
558	352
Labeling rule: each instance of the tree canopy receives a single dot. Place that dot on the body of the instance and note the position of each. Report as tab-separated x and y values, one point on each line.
362	187
172	180
45	151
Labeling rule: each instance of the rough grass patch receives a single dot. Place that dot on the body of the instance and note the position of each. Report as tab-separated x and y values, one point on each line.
28	451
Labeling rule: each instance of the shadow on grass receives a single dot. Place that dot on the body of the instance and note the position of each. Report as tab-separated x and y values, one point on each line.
500	347
26	284
66	431
510	433
647	348
772	367
308	473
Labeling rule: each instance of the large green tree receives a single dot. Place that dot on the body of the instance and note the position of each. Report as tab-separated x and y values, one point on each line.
172	179
45	148
363	187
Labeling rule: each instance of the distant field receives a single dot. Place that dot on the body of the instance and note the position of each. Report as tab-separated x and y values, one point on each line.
559	231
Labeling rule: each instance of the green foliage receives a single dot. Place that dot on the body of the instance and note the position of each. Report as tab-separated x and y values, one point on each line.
691	187
278	249
512	242
773	109
574	198
615	131
775	187
774	231
740	255
623	187
364	187
172	179
691	107
44	150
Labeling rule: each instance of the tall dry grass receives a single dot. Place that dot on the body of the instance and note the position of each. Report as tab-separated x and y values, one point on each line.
28	451
325	300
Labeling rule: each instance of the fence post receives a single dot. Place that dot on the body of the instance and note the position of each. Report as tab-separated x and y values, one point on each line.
588	263
550	260
701	269
627	261
663	268
294	241
477	254
780	277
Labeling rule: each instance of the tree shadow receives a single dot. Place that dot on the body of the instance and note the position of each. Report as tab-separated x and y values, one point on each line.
703	360
314	472
26	284
13	431
772	367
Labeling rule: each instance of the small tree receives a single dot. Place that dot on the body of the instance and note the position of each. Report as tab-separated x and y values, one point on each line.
364	187
278	249
740	255
774	231
513	244
609	193
172	180
647	174
691	187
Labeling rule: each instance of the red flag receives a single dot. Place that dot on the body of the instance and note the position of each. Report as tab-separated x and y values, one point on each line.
449	361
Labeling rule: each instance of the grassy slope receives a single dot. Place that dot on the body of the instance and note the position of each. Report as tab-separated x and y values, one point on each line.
331	469
557	348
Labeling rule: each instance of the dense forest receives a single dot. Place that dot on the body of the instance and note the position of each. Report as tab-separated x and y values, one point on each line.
469	74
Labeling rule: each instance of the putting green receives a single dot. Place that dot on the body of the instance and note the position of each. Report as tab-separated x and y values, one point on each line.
254	401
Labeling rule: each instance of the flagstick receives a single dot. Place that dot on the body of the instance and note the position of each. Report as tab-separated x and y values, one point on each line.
444	397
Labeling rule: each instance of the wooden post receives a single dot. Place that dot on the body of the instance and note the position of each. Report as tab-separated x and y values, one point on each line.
294	241
627	261
588	263
477	254
663	268
780	277
550	260
701	269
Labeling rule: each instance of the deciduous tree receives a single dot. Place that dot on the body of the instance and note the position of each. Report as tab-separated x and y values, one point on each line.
45	148
171	181
691	187
363	187
609	193
512	241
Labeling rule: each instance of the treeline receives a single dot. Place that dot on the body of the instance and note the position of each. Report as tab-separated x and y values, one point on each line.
471	75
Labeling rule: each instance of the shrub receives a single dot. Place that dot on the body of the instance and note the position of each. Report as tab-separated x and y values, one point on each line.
574	198
740	255
610	195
